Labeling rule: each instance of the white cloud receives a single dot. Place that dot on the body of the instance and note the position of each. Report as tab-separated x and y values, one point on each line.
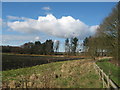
65	27
46	8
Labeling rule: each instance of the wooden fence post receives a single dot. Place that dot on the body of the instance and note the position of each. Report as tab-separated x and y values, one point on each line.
102	78
108	81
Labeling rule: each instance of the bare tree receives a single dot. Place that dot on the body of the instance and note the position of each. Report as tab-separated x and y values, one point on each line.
56	45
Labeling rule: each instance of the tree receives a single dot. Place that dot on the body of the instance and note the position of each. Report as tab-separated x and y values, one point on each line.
109	32
37	48
56	45
85	44
26	48
105	41
67	47
37	43
74	44
48	47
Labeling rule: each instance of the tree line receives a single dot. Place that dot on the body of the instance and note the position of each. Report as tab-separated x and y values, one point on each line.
106	40
47	48
37	47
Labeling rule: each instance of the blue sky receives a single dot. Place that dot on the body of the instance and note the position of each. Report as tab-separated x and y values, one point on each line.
86	12
89	13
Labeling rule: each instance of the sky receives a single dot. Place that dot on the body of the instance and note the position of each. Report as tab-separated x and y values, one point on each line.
31	21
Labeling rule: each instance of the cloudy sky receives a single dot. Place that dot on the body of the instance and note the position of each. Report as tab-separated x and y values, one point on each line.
28	21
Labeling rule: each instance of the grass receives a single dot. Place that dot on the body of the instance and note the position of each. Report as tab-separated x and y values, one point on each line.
110	69
67	74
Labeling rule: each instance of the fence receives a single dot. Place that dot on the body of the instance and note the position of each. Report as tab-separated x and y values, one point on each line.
107	82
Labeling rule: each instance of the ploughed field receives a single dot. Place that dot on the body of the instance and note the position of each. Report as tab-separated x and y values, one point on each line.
12	61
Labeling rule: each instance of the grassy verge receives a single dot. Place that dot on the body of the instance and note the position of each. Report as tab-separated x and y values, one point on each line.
110	69
67	74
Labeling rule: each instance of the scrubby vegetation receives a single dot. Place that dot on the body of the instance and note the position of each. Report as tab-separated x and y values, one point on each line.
67	74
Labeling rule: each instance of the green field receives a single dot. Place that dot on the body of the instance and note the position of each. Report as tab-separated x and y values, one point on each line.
110	69
67	74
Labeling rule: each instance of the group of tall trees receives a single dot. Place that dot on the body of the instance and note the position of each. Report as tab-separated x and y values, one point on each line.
37	47
105	41
71	45
45	48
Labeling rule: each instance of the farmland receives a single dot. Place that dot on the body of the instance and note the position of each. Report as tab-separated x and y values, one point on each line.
64	74
37	71
47	71
12	61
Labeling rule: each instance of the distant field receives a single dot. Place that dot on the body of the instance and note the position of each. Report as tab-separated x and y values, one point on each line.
110	69
67	74
15	61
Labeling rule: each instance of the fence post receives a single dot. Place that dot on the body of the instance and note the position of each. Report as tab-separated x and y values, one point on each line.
103	78
108	81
